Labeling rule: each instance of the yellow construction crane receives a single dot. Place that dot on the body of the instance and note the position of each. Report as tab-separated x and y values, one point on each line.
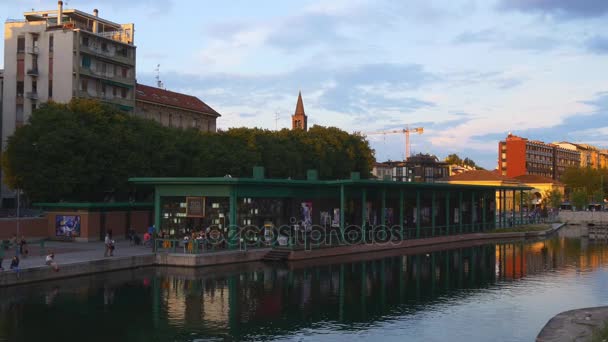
406	131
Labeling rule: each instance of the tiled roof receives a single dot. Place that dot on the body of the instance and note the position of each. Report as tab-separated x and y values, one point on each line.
535	179
170	98
478	175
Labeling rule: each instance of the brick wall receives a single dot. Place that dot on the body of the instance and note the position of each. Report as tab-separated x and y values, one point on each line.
30	227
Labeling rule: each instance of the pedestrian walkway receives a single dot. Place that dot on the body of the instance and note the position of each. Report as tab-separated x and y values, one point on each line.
71	252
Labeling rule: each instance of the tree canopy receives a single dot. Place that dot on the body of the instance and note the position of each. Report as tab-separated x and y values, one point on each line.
455	159
588	181
85	150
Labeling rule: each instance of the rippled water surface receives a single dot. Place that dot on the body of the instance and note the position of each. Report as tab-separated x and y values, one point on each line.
493	292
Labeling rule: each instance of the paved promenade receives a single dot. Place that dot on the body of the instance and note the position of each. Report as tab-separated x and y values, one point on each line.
69	253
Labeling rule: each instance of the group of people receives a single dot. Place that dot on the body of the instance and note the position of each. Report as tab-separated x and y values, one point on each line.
14	266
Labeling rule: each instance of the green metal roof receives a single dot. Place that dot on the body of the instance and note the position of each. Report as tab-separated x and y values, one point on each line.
95	205
297	182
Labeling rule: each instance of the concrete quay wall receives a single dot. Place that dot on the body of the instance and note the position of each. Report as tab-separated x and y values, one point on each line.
334	255
584	217
43	273
219	258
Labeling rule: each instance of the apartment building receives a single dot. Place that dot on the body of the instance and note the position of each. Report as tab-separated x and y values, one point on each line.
61	54
173	109
520	156
421	168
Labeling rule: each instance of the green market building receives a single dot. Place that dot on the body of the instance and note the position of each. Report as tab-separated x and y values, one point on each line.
409	210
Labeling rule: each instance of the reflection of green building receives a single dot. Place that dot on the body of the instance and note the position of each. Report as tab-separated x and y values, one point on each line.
415	210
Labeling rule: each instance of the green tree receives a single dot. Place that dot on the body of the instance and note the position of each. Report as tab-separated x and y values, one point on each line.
85	150
454	159
579	199
552	198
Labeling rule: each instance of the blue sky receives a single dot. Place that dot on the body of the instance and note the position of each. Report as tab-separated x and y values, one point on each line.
467	71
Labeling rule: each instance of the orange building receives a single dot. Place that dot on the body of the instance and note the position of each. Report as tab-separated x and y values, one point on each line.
520	156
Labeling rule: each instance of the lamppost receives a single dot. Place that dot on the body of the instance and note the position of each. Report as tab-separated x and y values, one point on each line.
18	212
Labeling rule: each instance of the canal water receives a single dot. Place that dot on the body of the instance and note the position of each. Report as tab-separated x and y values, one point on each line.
490	292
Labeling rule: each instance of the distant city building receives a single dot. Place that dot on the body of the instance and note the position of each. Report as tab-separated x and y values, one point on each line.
591	156
299	120
382	171
1	86
541	185
61	54
520	156
458	169
421	168
173	109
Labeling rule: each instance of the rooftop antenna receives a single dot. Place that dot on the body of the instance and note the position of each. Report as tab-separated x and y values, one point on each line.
276	120
159	83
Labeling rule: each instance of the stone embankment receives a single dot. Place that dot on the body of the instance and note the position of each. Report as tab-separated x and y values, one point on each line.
584	217
574	325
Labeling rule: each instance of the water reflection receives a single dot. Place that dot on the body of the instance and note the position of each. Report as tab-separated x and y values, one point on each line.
255	301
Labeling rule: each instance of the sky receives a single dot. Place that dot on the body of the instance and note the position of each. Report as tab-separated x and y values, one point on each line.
467	71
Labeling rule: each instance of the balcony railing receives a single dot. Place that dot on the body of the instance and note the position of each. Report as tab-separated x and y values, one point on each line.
32	72
128	82
114	57
32	95
106	98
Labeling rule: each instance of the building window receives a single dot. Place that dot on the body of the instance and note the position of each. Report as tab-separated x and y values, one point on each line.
125	72
103	90
20	44
19	88
34	87
85	41
104	46
114	91
19	114
50	89
51	43
33	106
123	93
86	61
84	84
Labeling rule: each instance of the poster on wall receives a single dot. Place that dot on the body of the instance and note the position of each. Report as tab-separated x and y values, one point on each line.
306	214
68	226
195	206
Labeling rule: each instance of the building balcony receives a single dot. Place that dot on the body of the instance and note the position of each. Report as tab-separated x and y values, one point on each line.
32	95
33	50
32	72
107	55
124	82
123	103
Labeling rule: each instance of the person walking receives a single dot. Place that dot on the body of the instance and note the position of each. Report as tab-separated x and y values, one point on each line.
23	250
13	243
108	244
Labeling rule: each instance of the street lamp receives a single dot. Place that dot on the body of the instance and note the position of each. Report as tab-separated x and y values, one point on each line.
18	212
